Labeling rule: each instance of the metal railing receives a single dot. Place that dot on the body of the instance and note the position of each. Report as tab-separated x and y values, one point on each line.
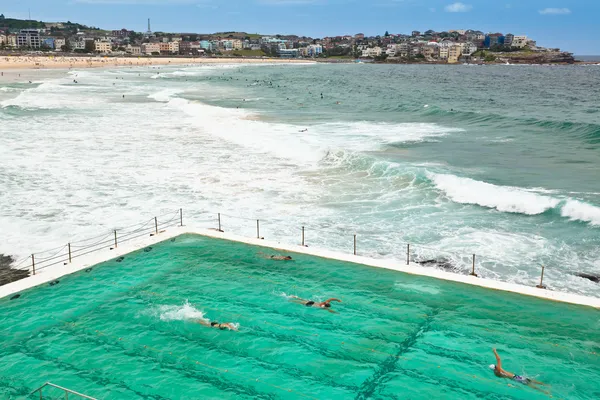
65	390
418	254
64	255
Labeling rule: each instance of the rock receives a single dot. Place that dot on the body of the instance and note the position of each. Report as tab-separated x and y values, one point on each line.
442	264
591	277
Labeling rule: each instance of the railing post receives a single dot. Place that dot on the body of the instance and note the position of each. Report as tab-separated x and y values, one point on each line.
541	285
181	217
408	254
219	218
355	244
40	393
115	238
69	253
302	236
257	230
473	270
156	225
33	263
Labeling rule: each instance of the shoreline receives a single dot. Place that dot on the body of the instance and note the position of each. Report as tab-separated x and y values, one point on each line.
66	62
106	254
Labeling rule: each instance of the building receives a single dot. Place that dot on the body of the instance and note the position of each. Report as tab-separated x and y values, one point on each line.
431	50
122	33
519	41
493	39
415	33
288	53
102	46
314	50
372	52
444	51
48	43
59	43
150	48
454	53
169	48
133	50
468	48
508	39
2	39
189	48
206	45
359	36
11	41
29	38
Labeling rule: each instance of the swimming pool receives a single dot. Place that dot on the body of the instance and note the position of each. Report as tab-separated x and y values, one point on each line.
126	330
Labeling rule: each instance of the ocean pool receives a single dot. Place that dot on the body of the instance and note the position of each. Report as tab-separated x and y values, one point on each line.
127	329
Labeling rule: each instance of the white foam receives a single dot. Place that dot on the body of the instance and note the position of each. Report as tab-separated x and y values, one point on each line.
502	198
184	312
578	211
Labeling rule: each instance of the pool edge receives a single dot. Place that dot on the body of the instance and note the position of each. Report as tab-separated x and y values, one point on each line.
412	269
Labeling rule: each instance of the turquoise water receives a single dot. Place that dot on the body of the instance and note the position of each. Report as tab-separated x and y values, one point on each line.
498	161
126	330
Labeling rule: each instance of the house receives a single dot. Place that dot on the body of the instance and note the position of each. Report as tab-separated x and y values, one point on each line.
431	50
59	43
288	53
443	53
189	48
508	39
49	43
206	45
493	39
372	52
11	41
2	39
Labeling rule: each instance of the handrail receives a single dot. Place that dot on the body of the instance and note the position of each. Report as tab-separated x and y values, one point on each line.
67	391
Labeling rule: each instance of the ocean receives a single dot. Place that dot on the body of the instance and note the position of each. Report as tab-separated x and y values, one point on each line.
497	161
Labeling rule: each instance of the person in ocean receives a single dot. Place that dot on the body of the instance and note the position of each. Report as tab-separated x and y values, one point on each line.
309	303
502	373
221	326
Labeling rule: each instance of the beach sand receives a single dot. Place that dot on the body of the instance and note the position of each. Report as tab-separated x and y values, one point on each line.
62	62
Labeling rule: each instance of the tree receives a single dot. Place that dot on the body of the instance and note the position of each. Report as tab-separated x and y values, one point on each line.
387	34
2	17
90	47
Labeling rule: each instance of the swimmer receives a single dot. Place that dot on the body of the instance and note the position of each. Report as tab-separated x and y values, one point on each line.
309	303
275	257
502	373
214	324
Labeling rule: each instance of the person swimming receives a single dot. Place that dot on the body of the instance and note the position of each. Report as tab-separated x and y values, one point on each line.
502	373
309	303
277	257
221	326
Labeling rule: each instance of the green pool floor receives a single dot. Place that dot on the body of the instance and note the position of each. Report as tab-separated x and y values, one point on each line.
128	330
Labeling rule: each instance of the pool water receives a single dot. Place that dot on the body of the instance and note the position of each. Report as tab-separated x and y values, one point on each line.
128	330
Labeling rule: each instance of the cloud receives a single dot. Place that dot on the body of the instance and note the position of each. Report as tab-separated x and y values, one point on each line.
555	11
458	7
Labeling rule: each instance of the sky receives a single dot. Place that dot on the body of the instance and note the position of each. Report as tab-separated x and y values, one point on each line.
571	25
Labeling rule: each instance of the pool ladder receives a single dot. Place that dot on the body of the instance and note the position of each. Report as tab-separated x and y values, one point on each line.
67	391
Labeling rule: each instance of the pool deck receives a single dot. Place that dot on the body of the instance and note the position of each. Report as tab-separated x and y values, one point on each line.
52	273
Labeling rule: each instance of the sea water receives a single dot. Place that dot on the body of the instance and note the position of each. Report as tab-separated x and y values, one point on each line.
497	161
130	329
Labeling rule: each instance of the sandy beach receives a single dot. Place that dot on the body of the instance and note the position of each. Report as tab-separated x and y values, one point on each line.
62	62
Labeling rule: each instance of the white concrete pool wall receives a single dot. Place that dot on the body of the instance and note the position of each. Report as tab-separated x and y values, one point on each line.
52	273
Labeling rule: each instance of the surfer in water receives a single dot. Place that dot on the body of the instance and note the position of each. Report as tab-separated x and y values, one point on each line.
502	373
221	326
309	303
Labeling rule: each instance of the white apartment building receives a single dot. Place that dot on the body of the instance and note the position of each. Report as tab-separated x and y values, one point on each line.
135	50
29	38
468	48
372	52
520	41
2	39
